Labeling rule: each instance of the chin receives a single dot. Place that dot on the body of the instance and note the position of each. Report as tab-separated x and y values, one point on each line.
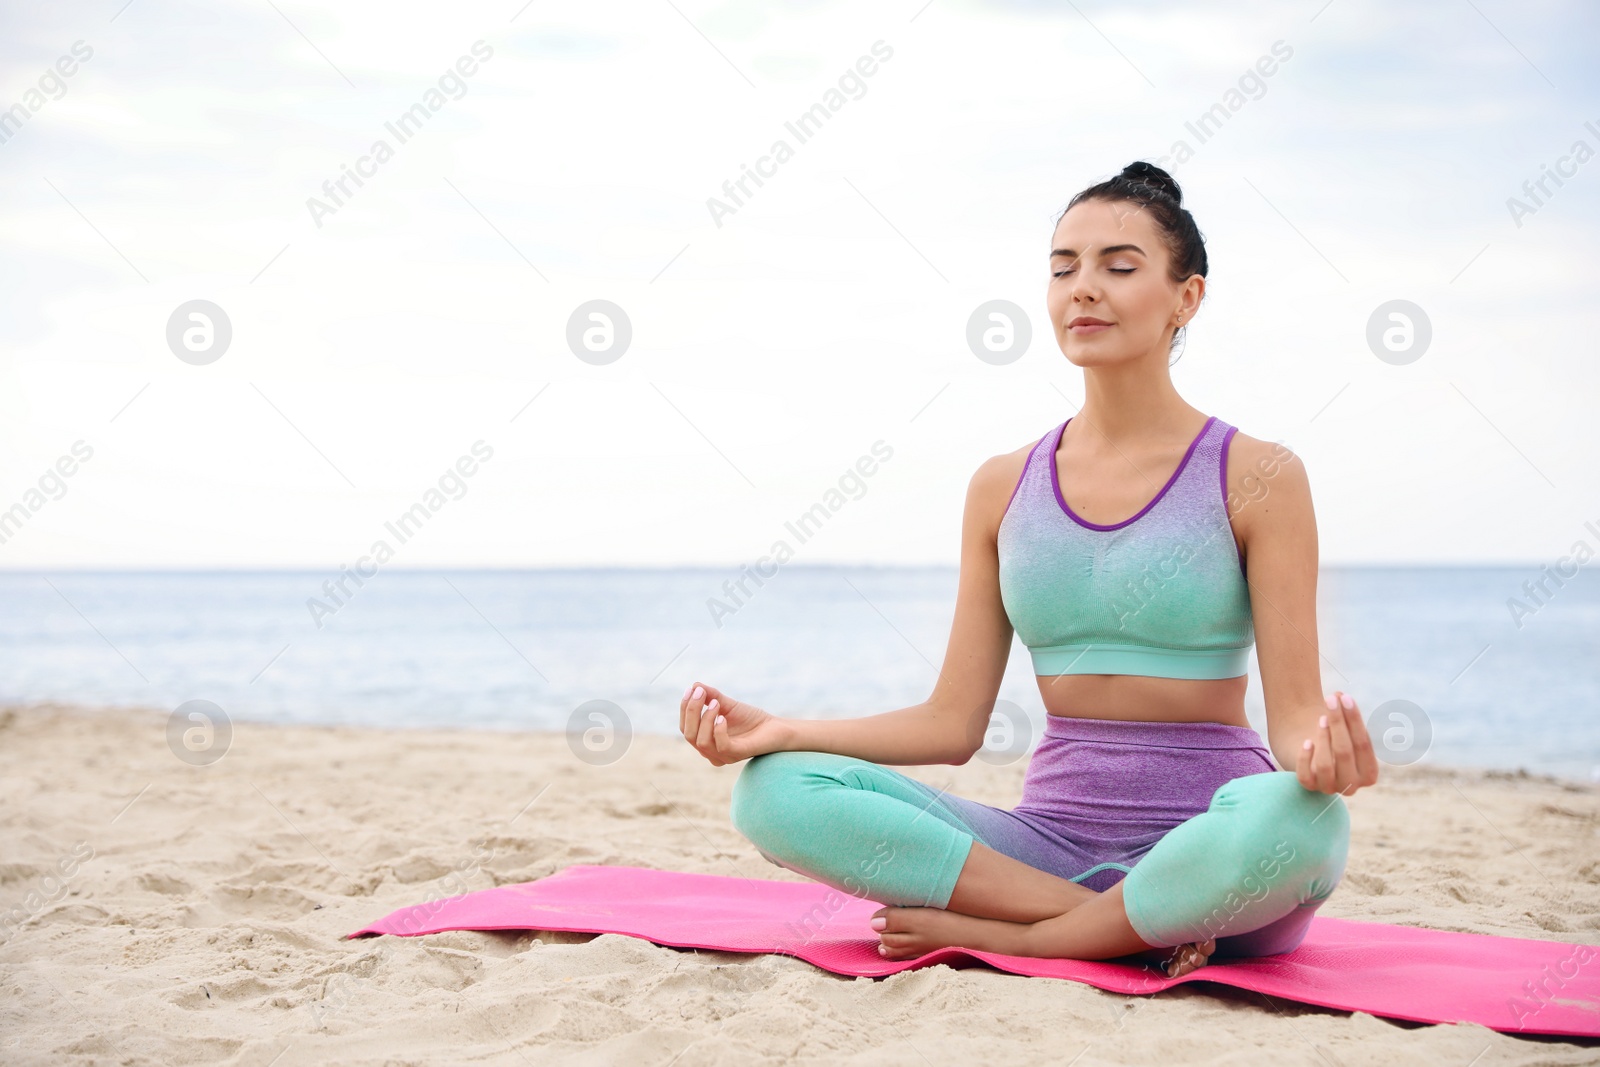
1088	356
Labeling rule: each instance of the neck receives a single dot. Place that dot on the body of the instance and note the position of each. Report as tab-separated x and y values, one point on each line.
1134	400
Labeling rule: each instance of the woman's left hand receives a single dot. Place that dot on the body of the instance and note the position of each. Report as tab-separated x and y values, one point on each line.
1338	756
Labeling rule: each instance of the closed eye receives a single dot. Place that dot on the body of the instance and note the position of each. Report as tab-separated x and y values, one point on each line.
1114	270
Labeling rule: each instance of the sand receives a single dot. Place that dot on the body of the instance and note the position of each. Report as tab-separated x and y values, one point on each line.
167	913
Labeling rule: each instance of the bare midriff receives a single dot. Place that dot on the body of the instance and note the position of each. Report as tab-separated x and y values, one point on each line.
1134	696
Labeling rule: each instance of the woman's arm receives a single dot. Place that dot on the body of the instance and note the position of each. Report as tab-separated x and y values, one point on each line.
949	726
1270	500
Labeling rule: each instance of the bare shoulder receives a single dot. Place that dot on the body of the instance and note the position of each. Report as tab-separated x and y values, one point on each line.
992	484
1267	484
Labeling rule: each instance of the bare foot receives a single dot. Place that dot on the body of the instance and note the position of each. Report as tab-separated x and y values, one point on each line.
1188	957
905	933
911	932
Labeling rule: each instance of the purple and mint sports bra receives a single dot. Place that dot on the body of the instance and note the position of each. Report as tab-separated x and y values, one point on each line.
1161	594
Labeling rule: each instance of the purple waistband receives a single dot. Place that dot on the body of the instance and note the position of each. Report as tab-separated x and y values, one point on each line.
1152	734
1104	791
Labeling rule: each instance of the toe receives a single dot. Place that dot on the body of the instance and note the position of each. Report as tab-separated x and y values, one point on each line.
1186	959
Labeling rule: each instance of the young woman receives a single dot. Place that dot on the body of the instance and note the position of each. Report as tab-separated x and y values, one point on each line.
1138	549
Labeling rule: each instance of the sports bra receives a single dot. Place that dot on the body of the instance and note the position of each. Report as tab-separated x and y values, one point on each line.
1158	594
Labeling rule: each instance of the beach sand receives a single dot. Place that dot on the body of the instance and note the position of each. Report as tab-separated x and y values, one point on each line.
197	913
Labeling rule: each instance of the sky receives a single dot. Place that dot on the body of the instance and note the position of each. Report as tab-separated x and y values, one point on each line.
427	335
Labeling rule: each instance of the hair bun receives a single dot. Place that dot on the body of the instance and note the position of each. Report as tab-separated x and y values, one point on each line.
1153	176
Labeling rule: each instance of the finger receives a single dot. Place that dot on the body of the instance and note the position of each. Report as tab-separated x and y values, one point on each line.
1302	766
683	710
1366	756
1350	766
719	756
708	715
699	729
1322	756
697	712
691	712
1321	753
1344	755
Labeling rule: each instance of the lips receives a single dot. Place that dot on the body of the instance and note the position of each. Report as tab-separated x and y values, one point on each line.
1085	326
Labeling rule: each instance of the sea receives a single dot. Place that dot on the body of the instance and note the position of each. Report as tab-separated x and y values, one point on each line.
1461	666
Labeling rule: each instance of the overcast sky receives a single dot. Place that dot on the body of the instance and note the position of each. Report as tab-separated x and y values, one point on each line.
379	334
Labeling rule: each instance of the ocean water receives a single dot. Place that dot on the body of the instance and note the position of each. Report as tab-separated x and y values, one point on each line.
516	650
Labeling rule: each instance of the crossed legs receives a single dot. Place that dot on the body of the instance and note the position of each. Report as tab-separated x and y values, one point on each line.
998	905
1241	878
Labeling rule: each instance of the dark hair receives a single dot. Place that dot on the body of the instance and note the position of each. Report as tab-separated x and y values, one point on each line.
1154	190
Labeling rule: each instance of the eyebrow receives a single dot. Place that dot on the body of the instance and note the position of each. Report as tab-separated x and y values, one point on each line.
1072	253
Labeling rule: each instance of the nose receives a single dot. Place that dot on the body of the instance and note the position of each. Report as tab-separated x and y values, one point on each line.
1081	303
1083	290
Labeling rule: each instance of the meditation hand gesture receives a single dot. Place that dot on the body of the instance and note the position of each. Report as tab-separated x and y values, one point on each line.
725	730
1338	756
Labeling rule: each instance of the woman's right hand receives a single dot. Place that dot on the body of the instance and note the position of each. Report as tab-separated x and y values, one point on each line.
725	730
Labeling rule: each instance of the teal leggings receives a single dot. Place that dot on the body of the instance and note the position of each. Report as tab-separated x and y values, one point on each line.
1249	870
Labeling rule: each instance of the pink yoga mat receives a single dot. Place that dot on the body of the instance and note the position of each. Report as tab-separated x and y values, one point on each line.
1402	972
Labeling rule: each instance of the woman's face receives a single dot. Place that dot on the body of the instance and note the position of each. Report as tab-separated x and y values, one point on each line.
1108	262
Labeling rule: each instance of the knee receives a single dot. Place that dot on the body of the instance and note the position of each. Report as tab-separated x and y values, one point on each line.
1300	829
765	793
